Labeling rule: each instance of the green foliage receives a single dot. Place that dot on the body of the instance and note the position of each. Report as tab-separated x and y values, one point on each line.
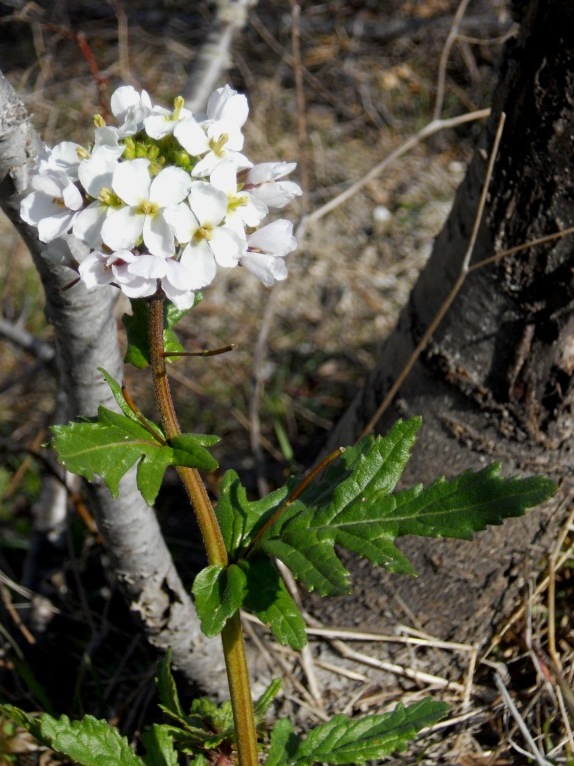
136	325
112	443
90	741
219	592
345	740
237	516
206	727
355	506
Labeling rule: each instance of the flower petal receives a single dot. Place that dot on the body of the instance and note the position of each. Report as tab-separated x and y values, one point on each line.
122	228
265	267
131	181
158	236
182	221
227	246
208	204
88	224
192	137
170	186
200	266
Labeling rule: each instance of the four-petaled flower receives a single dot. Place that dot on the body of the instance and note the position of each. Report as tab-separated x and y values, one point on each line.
163	199
208	242
145	200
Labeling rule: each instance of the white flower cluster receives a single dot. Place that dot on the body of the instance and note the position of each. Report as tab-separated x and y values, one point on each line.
164	198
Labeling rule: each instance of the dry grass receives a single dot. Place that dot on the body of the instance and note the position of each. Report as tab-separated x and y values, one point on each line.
322	327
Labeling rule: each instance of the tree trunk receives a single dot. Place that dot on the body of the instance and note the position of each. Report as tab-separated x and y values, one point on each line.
495	381
87	338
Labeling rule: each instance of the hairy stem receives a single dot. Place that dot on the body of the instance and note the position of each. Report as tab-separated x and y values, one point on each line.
231	636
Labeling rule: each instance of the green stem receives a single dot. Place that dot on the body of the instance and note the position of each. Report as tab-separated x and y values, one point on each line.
231	635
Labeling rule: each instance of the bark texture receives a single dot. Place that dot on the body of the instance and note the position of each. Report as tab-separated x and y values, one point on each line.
87	338
495	382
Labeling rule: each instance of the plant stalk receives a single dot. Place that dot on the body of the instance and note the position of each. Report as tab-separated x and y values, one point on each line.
231	635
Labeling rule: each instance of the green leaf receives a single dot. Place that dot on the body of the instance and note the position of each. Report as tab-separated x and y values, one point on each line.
268	598
166	687
90	742
344	740
237	516
354	506
189	450
111	444
160	750
261	705
284	744
219	592
124	406
136	325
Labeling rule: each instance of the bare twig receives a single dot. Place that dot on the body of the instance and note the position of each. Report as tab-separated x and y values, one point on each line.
429	130
455	289
444	56
513	710
300	95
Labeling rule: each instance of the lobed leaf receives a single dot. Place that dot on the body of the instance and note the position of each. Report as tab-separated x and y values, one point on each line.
238	517
354	506
269	599
112	443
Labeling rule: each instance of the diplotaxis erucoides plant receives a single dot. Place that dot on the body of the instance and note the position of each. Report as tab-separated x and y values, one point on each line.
162	201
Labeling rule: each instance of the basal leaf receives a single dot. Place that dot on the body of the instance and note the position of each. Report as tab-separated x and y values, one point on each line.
111	444
160	749
284	744
345	740
269	599
89	741
354	506
263	703
237	516
166	687
219	592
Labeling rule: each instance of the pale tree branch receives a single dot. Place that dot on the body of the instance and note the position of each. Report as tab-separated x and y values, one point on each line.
86	338
214	58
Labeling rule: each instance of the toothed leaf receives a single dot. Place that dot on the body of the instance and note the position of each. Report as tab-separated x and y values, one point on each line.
90	741
112	443
354	506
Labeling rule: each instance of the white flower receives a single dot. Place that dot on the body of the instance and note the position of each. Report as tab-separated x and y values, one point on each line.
146	200
108	137
105	269
219	136
162	122
130	108
137	276
175	277
266	249
52	204
63	157
242	208
261	181
228	105
95	174
200	225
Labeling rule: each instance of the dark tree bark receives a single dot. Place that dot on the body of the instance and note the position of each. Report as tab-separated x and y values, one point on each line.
495	382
